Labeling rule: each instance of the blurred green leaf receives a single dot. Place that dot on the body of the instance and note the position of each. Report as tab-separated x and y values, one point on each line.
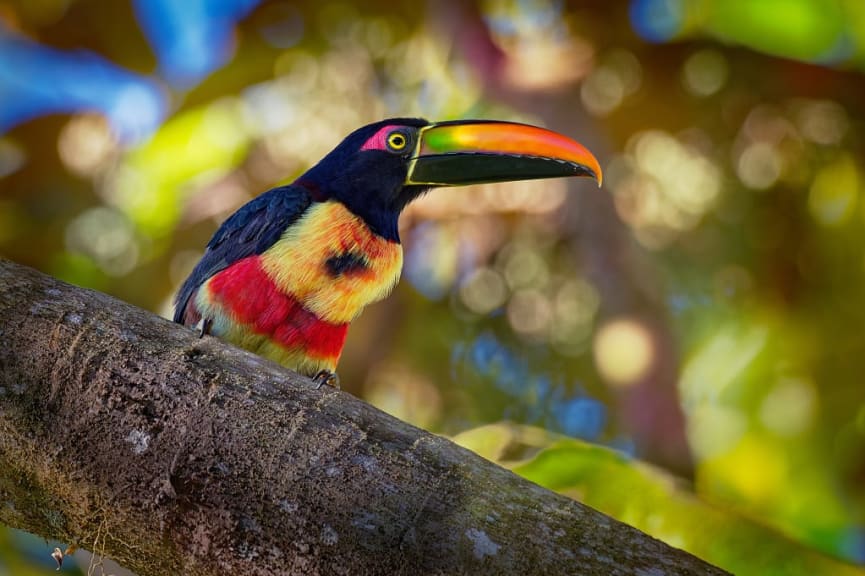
650	500
197	146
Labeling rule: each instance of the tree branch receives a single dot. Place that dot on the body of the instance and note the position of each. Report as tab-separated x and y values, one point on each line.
127	435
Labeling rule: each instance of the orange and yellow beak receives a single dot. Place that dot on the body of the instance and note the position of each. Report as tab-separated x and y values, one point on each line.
477	151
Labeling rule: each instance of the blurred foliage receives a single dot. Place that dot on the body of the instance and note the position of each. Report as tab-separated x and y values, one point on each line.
727	244
648	499
23	554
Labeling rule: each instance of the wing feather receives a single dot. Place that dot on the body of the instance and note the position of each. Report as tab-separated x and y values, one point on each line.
251	230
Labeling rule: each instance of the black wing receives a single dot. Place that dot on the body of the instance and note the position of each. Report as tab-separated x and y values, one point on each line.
249	231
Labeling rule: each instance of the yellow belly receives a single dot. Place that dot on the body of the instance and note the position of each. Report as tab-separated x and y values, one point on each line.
306	263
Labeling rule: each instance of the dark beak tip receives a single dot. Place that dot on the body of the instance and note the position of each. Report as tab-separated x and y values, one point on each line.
582	170
593	172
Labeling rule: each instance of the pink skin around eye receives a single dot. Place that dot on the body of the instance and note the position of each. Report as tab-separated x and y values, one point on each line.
379	139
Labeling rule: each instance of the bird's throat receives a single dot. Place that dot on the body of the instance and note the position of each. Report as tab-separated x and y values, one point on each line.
333	263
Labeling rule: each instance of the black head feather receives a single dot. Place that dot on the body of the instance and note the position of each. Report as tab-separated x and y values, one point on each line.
371	183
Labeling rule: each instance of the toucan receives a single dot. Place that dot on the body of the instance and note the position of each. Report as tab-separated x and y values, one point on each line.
286	274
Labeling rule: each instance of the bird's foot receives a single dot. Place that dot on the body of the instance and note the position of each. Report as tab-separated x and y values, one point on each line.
206	325
326	377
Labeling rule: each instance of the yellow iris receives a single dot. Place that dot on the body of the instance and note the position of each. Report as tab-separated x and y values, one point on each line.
396	141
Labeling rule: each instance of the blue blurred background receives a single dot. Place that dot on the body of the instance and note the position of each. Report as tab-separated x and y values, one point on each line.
702	312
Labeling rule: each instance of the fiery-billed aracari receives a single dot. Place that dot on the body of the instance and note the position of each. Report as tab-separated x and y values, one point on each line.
286	274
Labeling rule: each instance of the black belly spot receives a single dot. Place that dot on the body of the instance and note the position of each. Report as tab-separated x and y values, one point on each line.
345	263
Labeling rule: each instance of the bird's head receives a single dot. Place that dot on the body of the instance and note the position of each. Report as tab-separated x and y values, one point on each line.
378	169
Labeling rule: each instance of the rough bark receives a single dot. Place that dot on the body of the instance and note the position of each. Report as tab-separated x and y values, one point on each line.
128	435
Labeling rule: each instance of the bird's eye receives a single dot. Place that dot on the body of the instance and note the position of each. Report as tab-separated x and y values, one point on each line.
397	141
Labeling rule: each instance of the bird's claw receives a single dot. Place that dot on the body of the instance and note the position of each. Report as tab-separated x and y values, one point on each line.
326	377
206	325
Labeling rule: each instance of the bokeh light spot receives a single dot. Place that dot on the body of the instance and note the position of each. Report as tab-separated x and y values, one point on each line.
657	20
790	407
715	429
624	351
663	187
524	267
106	236
576	302
483	291
617	76
603	91
835	191
705	72
823	121
86	144
759	166
137	110
575	305
529	313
